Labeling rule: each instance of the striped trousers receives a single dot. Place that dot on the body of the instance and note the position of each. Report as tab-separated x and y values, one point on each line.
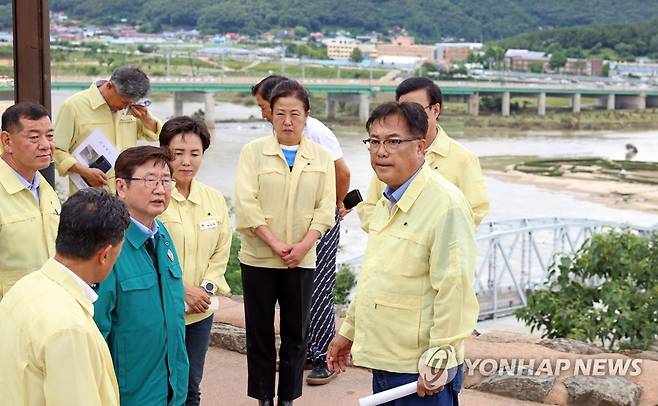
322	327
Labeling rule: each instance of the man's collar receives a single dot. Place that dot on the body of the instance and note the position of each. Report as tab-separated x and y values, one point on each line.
64	277
11	180
441	144
138	233
394	196
96	97
414	188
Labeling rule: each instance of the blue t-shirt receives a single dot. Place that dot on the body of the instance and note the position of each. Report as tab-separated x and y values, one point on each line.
290	153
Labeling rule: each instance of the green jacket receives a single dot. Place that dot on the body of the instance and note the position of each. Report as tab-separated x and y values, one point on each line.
140	312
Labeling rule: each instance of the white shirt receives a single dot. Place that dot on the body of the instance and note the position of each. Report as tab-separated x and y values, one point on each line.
151	232
319	133
89	292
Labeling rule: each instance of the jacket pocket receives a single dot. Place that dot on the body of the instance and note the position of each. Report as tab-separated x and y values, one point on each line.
140	282
411	258
395	325
175	272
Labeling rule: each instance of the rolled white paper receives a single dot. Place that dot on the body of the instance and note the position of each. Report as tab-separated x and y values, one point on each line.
389	395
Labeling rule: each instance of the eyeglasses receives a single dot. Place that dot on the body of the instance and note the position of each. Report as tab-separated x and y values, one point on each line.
152	183
390	144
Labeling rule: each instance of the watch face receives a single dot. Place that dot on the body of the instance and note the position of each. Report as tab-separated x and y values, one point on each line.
209	286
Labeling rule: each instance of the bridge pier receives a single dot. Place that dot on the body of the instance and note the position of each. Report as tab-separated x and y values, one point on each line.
209	111
364	107
362	100
541	104
575	103
331	107
207	98
473	104
632	102
505	104
178	103
611	102
652	101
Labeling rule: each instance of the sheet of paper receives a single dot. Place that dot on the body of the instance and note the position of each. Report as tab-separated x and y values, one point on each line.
389	395
89	150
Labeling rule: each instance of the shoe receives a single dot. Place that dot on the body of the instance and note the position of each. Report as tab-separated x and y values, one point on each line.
320	374
266	402
284	402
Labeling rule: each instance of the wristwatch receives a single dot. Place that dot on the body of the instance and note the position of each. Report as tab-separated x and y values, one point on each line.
209	287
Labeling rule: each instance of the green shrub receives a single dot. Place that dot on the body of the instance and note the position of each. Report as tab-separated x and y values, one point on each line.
345	281
233	275
606	293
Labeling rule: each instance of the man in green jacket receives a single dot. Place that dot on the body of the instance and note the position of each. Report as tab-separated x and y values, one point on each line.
140	310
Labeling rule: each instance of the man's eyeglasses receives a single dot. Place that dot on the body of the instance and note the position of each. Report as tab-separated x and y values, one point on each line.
390	144
152	183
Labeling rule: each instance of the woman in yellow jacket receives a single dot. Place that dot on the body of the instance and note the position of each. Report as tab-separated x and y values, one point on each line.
198	222
285	200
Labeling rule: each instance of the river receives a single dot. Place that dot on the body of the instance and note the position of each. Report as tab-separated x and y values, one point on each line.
508	200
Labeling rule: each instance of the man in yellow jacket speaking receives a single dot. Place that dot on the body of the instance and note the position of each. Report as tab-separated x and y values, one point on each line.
443	154
51	352
415	302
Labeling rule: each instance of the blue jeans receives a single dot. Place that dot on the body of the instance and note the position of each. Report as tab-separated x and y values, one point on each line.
197	336
449	396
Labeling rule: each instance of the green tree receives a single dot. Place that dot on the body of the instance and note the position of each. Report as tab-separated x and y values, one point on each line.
494	56
605	293
356	55
558	60
605	70
536	67
301	32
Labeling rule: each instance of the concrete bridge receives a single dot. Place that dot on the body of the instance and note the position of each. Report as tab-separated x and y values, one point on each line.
608	96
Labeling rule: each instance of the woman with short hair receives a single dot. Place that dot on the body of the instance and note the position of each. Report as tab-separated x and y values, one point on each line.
198	222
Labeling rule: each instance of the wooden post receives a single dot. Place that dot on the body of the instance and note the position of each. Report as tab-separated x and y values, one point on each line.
32	58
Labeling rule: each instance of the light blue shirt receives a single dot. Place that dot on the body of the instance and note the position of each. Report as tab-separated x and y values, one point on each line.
394	196
151	232
290	153
32	187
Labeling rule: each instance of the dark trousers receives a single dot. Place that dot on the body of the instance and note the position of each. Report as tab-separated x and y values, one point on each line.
449	396
263	287
323	317
197	336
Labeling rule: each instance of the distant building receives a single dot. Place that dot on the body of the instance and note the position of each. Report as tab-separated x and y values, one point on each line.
317	36
647	69
405	46
583	67
520	59
452	52
267	36
340	48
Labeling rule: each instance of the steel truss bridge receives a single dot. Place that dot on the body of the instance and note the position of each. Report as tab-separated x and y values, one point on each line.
514	256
